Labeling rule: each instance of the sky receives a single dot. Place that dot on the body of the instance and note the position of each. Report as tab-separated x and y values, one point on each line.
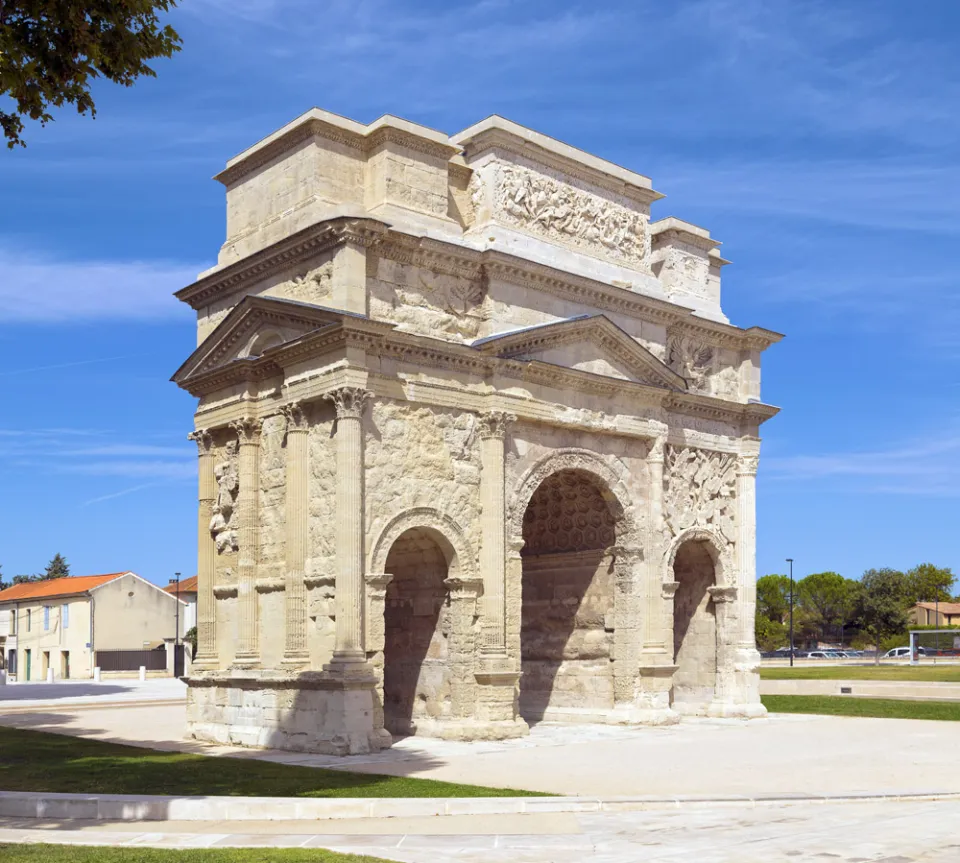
817	140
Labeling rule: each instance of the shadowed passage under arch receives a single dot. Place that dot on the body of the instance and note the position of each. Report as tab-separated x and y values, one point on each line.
694	626
566	630
417	624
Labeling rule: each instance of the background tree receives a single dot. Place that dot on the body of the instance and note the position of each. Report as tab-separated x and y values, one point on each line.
58	566
771	634
882	604
52	50
828	599
929	583
773	597
3	584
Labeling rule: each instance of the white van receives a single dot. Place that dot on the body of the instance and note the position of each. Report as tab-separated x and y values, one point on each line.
897	653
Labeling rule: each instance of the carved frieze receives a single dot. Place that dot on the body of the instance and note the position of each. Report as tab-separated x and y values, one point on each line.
685	272
692	359
546	206
310	285
227	476
700	490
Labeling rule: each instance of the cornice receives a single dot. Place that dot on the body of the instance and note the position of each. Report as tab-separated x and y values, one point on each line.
495	139
288	252
393	135
447	258
695	405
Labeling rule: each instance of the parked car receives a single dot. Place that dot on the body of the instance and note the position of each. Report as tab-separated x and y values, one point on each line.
820	654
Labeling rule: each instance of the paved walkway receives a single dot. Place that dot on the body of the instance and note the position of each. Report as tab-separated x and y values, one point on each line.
65	693
884	832
783	754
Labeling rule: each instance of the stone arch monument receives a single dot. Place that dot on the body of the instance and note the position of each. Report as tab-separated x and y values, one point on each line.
477	446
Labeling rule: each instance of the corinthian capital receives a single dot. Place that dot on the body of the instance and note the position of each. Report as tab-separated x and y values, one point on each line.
493	424
204	441
296	416
247	430
747	465
349	401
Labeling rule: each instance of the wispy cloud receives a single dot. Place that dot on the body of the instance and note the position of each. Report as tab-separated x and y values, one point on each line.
928	466
41	288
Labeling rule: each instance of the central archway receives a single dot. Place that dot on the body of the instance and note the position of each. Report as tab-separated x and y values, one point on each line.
567	596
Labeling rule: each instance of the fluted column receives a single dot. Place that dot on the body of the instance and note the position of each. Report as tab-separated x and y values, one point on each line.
493	429
348	644
248	436
295	652
206	554
747	549
655	633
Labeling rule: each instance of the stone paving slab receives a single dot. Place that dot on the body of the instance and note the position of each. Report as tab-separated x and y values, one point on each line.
866	832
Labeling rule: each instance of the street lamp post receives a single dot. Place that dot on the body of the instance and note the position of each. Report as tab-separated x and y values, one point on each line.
176	611
790	561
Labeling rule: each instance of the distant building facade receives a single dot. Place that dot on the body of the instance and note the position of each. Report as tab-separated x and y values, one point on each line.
186	591
935	614
60	624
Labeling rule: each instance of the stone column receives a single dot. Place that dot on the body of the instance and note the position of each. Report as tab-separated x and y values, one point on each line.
248	436
348	651
656	666
628	621
463	593
295	652
206	555
375	630
493	429
746	659
725	695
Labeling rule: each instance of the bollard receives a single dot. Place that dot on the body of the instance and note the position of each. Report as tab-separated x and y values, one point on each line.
143	673
96	674
49	675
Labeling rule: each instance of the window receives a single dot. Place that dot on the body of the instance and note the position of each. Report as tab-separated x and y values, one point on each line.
65	616
46	618
29	618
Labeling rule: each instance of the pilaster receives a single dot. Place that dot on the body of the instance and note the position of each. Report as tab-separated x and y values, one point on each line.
493	430
349	656
206	657
295	652
248	431
461	645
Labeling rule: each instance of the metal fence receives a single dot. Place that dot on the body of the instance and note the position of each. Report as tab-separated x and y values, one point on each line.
131	660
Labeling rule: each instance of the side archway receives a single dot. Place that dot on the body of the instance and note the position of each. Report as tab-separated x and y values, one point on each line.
461	556
698	566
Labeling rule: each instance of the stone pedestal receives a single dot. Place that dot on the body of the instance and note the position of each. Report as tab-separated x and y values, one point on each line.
309	712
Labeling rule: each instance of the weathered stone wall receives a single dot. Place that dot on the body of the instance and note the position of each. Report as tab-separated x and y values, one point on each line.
695	628
421	457
417	669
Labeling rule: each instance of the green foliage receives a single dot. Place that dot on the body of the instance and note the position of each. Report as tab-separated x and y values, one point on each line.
51	51
190	637
771	634
901	639
881	608
928	583
39	761
841	705
828	599
57	568
773	597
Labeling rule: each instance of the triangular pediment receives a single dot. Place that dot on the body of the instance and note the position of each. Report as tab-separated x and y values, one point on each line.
590	343
255	326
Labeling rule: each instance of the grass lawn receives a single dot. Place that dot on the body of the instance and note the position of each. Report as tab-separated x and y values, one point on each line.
95	854
40	761
931	673
841	705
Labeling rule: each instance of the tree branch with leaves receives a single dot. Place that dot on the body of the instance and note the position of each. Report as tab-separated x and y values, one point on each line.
51	51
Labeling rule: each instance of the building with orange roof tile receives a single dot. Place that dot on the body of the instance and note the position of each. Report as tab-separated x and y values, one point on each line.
61	625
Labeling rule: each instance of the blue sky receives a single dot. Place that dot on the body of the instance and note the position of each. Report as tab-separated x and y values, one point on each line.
817	140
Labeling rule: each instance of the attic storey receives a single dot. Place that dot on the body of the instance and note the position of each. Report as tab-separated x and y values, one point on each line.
479	450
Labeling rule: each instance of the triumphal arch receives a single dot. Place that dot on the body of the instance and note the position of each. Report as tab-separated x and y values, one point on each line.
477	446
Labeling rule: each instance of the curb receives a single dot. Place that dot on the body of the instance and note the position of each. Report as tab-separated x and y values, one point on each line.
125	807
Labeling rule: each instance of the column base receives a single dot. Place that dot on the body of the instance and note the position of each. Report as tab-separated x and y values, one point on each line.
724	710
497	693
655	713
